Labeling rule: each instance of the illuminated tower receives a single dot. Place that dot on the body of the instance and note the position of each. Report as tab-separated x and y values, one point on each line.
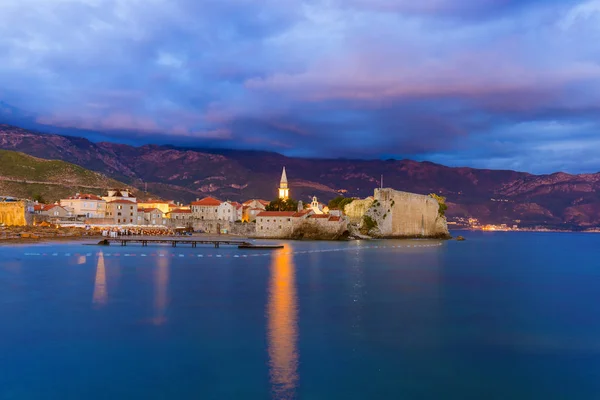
284	192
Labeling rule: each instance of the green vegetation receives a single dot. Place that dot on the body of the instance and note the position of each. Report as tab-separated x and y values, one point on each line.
21	166
442	204
39	198
368	223
47	180
282	205
340	202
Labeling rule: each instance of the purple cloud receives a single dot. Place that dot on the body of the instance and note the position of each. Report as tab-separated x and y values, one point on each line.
459	82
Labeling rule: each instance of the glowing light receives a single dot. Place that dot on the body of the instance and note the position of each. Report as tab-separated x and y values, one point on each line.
160	294
100	297
282	312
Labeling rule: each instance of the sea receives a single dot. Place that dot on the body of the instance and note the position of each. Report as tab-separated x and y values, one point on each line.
502	315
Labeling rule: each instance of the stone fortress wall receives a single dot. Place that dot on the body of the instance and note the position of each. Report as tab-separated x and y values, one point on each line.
357	209
400	214
15	213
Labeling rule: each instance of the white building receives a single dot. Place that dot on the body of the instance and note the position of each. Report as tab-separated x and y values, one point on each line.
316	206
230	211
86	205
256	203
151	216
51	210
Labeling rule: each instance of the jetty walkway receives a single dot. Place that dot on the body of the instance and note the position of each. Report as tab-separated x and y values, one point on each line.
124	241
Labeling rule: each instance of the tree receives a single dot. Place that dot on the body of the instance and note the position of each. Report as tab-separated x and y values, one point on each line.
282	205
340	202
442	204
39	198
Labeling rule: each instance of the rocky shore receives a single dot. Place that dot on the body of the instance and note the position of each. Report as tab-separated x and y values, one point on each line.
34	233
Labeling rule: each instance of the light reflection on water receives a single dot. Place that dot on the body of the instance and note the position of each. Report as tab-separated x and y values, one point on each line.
282	321
161	282
100	296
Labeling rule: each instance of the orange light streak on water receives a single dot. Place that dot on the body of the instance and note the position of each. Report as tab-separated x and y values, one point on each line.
282	315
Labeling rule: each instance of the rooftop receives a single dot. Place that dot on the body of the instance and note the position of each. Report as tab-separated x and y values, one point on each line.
85	196
180	211
277	214
207	201
45	207
148	210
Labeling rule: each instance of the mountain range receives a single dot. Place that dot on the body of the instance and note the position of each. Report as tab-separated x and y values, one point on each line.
556	200
25	176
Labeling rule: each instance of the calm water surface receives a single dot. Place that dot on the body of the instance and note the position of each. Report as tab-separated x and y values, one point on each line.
500	316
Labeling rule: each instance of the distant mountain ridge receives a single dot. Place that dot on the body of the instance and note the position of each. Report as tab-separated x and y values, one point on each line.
25	176
492	196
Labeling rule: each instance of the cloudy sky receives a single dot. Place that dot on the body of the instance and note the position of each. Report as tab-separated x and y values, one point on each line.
488	83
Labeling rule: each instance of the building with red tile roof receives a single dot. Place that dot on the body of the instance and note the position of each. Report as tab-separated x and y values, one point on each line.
180	214
205	209
291	224
207	201
279	224
230	211
151	216
51	210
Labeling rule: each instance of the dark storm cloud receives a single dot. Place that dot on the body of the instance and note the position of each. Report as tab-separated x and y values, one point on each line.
493	83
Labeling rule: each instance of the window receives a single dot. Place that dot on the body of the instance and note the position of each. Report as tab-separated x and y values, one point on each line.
289	219
119	220
118	213
119	208
131	207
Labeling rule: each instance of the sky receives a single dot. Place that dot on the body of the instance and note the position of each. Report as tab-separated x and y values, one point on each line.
502	84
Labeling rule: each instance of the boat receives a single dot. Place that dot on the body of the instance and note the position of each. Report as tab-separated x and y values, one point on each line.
260	246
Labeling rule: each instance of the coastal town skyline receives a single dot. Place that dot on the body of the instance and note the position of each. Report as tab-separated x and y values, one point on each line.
299	199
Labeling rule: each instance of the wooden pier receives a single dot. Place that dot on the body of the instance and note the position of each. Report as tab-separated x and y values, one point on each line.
173	242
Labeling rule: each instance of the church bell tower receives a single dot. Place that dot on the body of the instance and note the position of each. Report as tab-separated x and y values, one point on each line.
284	191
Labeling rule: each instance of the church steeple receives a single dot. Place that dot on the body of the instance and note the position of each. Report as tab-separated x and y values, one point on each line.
284	191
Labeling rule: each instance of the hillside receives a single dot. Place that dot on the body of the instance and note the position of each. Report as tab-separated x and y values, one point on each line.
25	176
492	196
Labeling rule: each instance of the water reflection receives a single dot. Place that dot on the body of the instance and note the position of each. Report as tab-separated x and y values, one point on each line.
161	281
282	314
100	296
